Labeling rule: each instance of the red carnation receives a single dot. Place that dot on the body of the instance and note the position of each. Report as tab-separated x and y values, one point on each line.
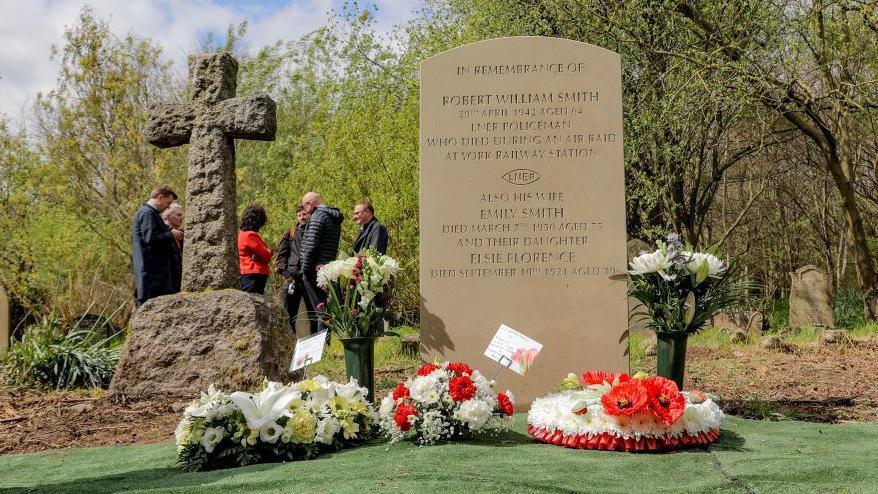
505	404
403	412
460	368
598	377
626	398
461	388
665	400
426	369
400	392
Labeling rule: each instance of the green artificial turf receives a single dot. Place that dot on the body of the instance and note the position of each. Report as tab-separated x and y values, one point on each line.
750	456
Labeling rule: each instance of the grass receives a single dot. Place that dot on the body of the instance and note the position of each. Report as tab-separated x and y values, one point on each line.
751	456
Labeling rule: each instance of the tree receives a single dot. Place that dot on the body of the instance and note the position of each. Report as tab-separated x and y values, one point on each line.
814	64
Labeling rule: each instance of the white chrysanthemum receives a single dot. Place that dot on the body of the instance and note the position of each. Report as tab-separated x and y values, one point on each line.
420	388
212	436
388	406
327	428
694	261
475	413
652	262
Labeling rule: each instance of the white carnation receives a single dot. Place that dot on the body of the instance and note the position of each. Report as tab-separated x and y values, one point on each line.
327	428
475	413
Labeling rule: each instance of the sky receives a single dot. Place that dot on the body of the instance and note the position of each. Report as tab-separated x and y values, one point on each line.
29	29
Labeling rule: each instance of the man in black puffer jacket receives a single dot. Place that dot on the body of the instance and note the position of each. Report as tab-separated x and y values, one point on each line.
319	244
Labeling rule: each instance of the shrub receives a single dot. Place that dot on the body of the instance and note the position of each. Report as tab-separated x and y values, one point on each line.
848	308
47	355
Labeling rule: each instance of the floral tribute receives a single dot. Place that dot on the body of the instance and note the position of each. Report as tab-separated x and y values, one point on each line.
358	291
610	411
444	401
280	423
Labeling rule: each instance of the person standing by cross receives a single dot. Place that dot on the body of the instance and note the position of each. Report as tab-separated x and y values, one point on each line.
173	217
372	235
152	247
319	244
289	266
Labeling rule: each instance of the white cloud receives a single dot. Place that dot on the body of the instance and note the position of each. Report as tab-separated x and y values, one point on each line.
29	29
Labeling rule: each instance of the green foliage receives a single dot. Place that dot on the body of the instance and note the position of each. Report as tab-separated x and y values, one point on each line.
778	314
48	356
848	308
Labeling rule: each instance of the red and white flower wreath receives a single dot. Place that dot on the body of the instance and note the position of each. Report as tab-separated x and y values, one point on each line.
616	412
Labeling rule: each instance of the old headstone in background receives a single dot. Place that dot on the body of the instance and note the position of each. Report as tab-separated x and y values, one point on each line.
749	321
522	213
5	325
182	343
810	298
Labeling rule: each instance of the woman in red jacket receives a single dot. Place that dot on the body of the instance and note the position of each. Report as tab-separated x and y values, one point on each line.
253	255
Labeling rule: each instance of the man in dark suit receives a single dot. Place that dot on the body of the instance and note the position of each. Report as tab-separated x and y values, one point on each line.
372	235
152	247
289	266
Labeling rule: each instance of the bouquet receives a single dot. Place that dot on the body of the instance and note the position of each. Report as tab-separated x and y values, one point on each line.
358	293
680	289
444	401
604	410
281	422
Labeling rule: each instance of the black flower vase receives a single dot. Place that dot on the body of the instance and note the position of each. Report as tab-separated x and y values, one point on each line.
671	356
359	361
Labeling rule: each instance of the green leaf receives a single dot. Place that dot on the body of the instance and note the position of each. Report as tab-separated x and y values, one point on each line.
690	308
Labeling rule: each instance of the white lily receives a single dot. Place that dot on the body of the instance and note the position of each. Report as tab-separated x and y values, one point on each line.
266	406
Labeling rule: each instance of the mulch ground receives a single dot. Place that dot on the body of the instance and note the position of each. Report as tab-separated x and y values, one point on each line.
819	383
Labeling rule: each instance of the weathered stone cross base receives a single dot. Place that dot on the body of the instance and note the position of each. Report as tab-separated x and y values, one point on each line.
180	344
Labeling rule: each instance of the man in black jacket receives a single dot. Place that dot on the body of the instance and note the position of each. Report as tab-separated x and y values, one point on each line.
372	235
152	247
319	244
289	266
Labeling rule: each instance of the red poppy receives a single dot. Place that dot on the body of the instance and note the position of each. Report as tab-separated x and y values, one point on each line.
599	377
426	369
400	392
403	412
460	368
665	400
461	388
626	398
505	404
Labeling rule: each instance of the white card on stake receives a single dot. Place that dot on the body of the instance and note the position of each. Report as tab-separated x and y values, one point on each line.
513	350
308	351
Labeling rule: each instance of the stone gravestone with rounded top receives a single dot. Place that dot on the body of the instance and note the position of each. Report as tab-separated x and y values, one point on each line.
810	298
522	212
210	333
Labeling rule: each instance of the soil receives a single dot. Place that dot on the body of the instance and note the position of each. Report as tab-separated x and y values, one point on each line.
822	383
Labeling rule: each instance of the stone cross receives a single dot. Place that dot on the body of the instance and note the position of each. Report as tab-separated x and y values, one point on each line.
4	320
210	123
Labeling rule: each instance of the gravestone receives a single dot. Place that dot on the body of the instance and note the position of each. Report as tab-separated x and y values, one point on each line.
810	298
4	320
522	212
209	333
749	321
